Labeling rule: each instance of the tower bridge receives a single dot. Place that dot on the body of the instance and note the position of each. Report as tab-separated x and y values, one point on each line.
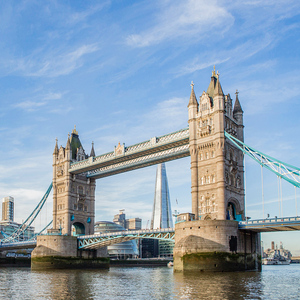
217	229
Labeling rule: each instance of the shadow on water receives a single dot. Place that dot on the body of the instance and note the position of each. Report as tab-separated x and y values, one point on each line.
237	285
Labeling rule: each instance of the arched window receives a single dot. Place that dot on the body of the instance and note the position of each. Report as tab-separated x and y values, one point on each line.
80	190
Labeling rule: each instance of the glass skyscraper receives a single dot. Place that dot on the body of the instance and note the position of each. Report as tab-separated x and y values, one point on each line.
162	213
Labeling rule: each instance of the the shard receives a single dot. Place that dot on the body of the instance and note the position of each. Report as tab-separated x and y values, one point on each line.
162	213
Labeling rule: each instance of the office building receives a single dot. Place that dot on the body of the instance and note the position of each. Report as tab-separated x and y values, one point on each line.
161	214
8	209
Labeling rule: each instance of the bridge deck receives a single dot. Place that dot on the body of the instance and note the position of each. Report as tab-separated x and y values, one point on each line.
271	225
105	239
156	150
18	245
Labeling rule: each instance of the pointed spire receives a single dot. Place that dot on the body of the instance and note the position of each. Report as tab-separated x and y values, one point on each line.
56	147
237	105
74	130
193	99
215	88
92	151
68	147
218	89
211	87
213	73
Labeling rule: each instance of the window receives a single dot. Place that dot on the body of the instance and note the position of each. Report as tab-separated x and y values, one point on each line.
207	179
213	178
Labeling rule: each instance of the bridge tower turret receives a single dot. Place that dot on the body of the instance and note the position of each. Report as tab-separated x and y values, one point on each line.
238	116
73	195
217	168
193	107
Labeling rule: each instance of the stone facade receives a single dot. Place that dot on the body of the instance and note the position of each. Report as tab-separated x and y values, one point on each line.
212	242
215	245
217	168
60	252
55	245
73	195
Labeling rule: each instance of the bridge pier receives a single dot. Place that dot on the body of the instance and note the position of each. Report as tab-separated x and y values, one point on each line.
215	246
61	252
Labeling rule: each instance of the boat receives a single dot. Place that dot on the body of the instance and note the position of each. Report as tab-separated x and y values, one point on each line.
276	261
170	264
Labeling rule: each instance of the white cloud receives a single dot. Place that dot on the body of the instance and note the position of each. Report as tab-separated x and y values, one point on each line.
42	100
83	16
188	19
62	64
49	63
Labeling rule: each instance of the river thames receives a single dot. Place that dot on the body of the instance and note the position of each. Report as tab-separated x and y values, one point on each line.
274	282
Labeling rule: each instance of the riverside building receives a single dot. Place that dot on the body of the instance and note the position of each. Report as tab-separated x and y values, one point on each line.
8	209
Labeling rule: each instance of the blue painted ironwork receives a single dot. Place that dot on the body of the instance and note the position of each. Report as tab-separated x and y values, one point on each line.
271	224
18	245
285	171
156	150
105	239
40	232
30	219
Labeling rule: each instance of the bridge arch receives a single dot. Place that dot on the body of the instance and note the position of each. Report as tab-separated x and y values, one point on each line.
233	210
78	229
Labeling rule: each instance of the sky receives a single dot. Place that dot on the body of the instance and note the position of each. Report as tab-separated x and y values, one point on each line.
121	72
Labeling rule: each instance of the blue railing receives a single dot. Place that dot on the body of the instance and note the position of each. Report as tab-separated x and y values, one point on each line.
270	221
127	232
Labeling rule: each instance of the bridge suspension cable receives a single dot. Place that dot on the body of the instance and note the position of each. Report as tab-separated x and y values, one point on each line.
245	187
285	171
278	183
34	237
29	220
296	202
262	191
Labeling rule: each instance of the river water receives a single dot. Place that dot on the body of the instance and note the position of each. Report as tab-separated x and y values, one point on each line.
274	282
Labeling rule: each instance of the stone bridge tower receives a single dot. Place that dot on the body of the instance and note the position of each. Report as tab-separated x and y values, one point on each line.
213	241
217	167
73	195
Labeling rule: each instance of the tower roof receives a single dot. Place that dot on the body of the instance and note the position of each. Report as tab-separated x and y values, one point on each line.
92	151
74	142
215	88
55	148
193	99
68	146
237	104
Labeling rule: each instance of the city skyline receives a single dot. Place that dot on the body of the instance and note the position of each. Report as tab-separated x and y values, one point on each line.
121	72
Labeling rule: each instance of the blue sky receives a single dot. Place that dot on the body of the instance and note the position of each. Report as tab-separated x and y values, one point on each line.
121	72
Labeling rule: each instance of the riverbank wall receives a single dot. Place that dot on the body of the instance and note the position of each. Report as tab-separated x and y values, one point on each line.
8	262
